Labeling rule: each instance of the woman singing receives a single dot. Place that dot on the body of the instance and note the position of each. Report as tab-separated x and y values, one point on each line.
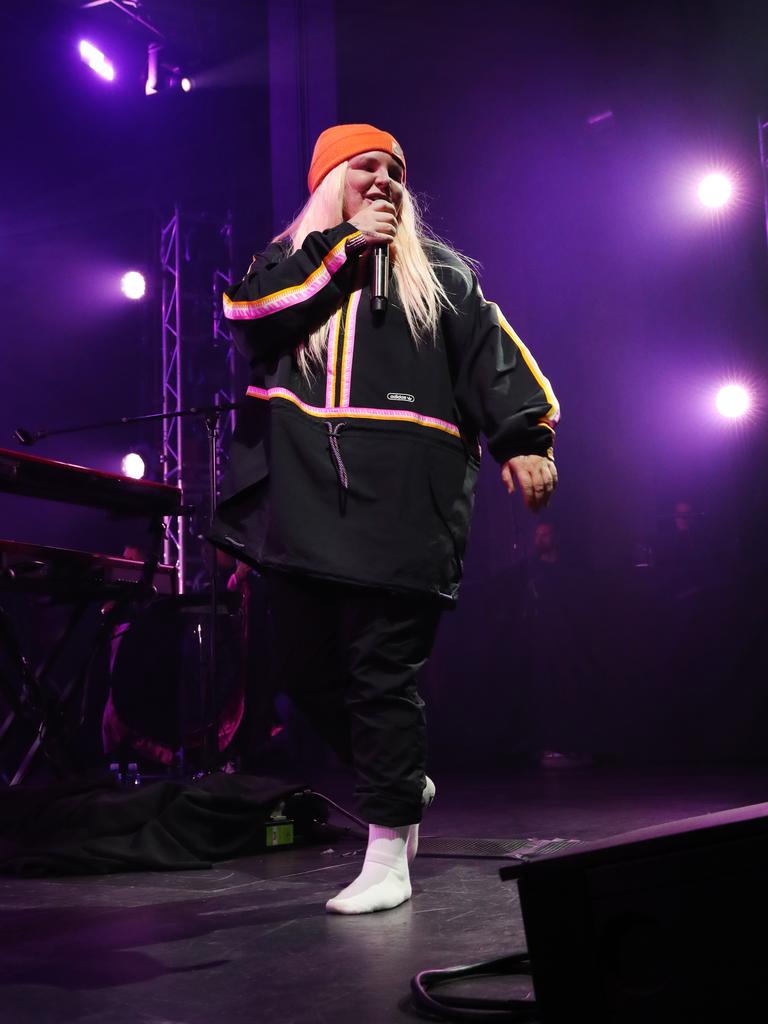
354	465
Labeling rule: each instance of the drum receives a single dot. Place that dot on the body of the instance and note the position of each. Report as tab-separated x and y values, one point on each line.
160	671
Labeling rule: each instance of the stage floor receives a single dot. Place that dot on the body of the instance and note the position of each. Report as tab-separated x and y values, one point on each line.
249	940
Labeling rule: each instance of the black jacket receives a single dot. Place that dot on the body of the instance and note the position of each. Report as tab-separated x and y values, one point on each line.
366	474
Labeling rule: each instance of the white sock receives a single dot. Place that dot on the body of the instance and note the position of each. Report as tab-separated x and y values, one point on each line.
384	881
412	843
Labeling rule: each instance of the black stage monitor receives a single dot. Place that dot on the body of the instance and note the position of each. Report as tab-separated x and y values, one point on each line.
662	924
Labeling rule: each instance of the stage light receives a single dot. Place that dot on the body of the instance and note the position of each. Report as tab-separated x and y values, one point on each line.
163	74
133	285
153	68
96	60
133	466
732	401
715	190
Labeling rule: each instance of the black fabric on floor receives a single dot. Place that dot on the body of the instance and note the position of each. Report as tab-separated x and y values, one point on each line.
94	828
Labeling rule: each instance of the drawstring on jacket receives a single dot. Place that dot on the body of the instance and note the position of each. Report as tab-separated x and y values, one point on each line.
334	430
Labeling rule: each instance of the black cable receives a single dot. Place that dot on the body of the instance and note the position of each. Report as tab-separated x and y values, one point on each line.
347	814
465	1008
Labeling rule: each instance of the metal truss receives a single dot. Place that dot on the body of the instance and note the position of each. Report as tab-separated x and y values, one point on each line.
206	373
173	434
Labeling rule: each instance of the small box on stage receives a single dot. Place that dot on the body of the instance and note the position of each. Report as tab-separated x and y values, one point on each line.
663	924
280	827
279	833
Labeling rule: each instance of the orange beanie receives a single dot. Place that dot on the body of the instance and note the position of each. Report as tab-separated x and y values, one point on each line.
347	140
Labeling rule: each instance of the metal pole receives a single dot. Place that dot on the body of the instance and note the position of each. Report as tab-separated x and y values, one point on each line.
180	524
762	128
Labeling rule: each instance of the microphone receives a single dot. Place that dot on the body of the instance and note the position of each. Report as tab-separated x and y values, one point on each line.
380	278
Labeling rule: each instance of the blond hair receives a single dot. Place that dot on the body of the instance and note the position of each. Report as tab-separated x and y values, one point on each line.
421	292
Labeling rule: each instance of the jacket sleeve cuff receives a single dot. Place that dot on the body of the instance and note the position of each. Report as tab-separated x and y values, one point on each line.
356	242
542	445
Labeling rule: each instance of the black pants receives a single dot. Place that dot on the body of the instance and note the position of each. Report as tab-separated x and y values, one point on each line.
348	657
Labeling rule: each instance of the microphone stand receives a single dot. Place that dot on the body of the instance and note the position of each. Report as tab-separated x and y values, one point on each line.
211	416
30	437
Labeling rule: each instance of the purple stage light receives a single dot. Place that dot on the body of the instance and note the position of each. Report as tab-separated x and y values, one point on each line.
732	401
715	190
186	84
153	68
133	466
133	285
96	60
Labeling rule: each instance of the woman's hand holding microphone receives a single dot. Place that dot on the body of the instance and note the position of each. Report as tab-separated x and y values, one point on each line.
378	222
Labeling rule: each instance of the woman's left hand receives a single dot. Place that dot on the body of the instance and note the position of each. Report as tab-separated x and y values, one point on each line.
536	475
